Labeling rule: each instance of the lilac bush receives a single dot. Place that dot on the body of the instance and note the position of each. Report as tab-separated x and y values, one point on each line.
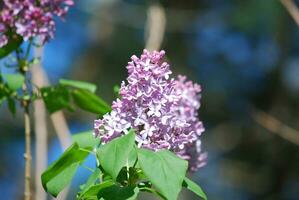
31	18
155	113
161	110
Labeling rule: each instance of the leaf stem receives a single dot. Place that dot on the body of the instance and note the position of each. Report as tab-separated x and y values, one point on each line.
128	171
86	150
135	163
88	168
25	103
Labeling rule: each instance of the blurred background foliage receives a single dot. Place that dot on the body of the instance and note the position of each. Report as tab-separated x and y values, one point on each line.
245	54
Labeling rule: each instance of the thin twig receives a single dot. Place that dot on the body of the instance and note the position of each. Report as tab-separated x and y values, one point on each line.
27	192
292	9
155	27
40	129
275	126
25	103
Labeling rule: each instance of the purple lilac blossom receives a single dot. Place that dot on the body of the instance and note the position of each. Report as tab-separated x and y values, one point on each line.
161	110
31	18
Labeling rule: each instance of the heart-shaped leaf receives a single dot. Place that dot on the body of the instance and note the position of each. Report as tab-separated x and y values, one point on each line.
165	170
115	154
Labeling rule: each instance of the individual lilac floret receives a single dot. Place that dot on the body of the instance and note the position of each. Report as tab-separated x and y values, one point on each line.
31	18
162	111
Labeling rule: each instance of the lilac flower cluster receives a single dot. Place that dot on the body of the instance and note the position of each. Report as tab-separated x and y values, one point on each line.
162	111
30	18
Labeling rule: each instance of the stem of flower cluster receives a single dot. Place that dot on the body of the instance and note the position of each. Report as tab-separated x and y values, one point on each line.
27	192
25	103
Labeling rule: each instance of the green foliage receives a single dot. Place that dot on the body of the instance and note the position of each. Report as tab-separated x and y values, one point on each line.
90	102
86	140
56	98
92	192
165	170
2	91
14	81
116	192
9	85
190	185
79	84
84	97
69	93
11	105
2	97
114	155
122	170
148	189
13	43
91	180
61	172
110	191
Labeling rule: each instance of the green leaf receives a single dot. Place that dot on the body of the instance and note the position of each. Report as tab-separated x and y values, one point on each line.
93	191
165	170
14	81
190	185
14	42
56	98
2	93
122	177
109	191
11	106
132	158
61	180
86	140
116	192
90	102
61	172
78	84
151	190
114	155
91	180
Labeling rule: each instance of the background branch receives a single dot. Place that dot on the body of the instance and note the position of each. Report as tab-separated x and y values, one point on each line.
292	9
61	129
40	129
275	126
155	27
40	78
